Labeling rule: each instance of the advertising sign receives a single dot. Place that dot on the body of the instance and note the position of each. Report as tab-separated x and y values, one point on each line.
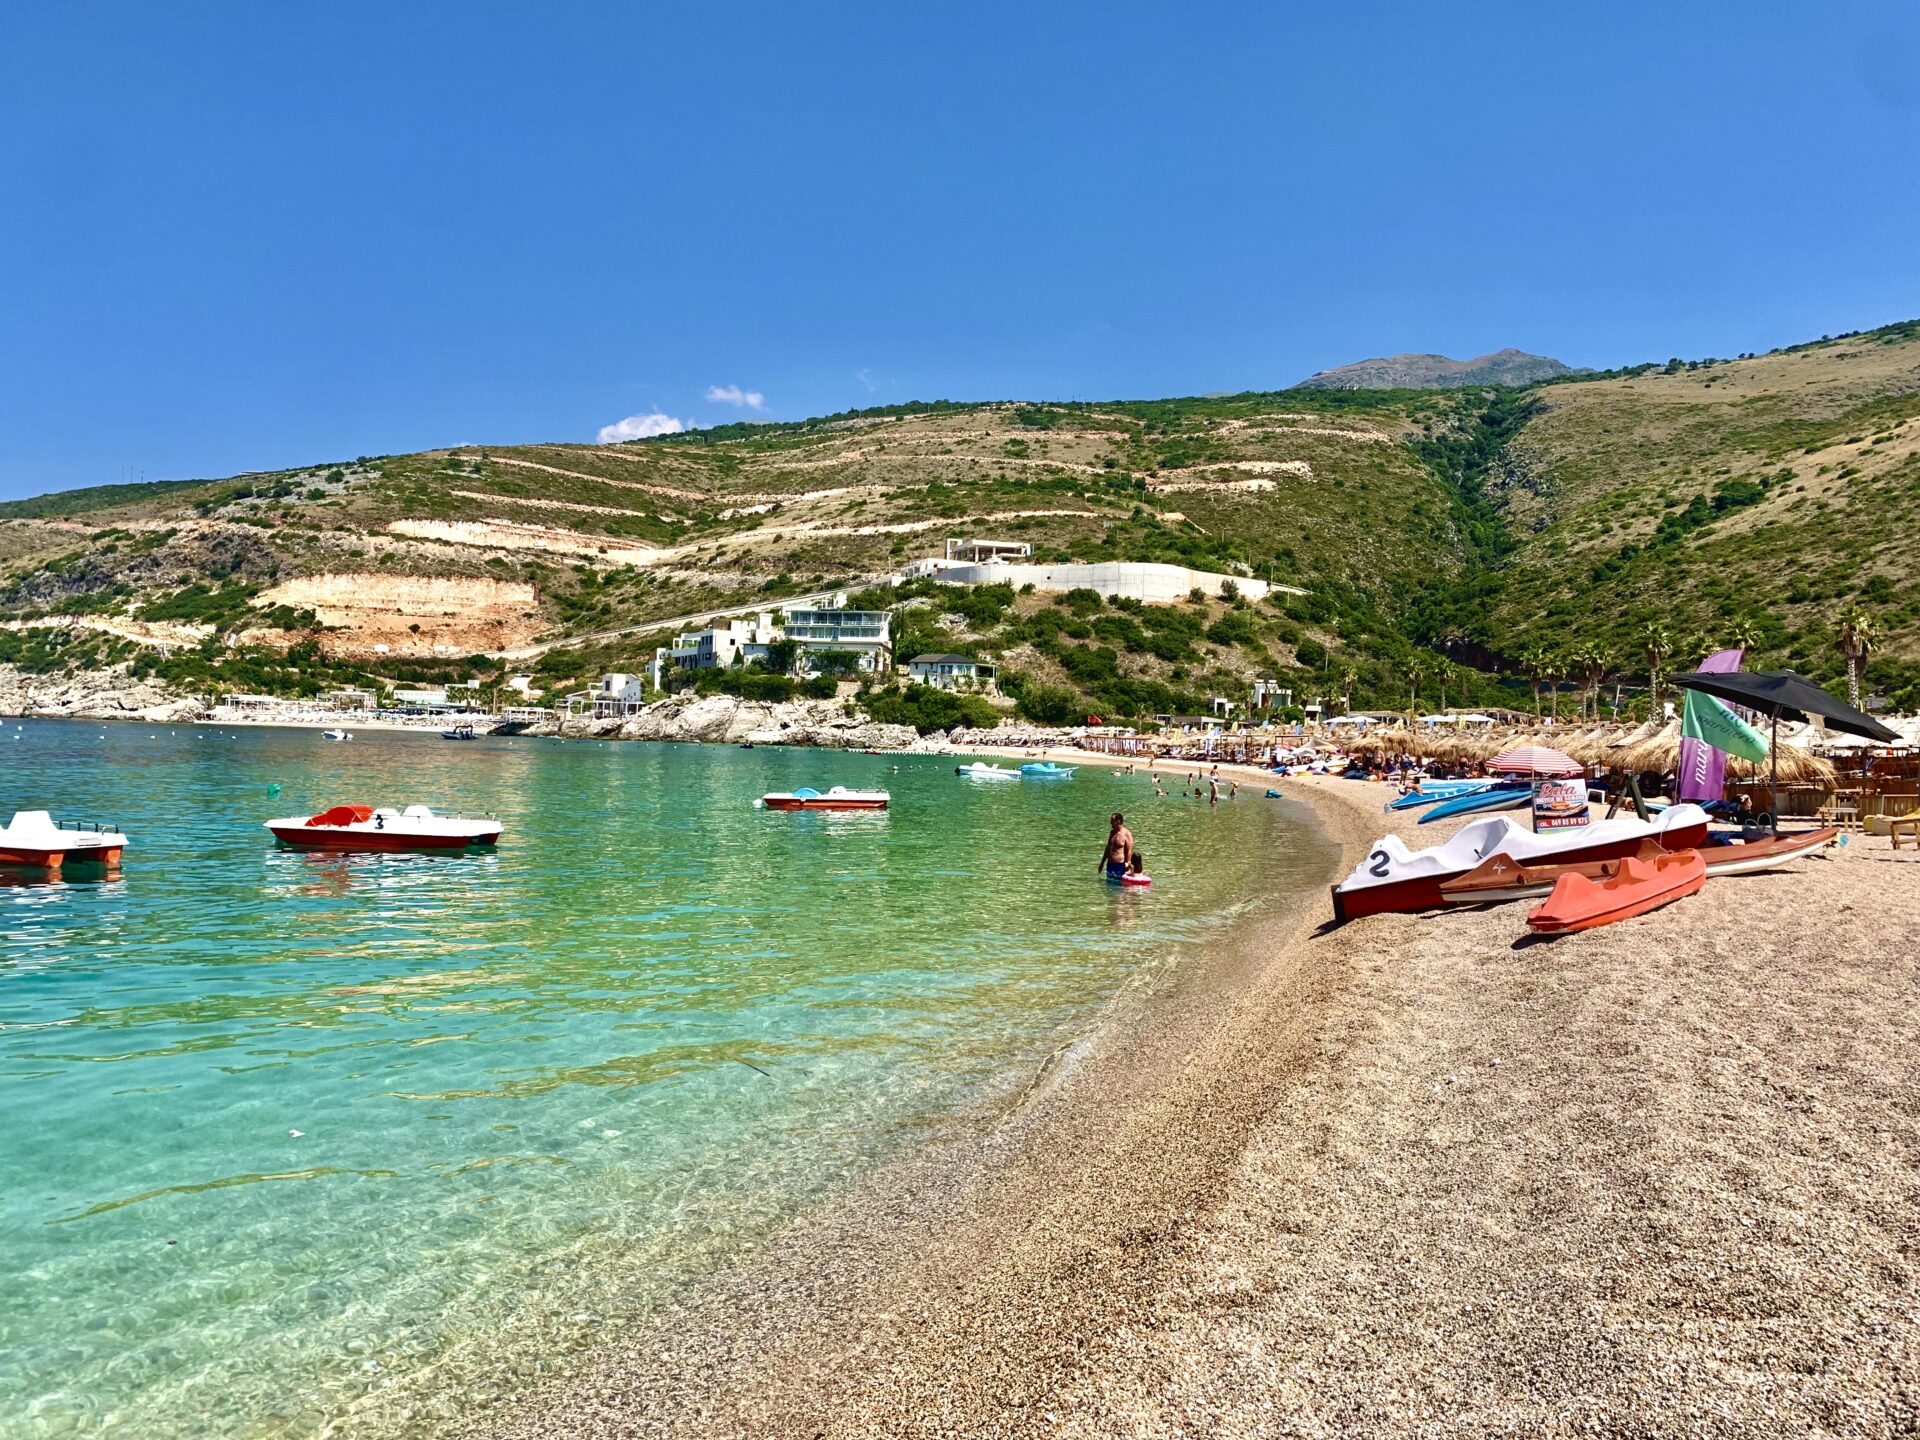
1560	804
1703	768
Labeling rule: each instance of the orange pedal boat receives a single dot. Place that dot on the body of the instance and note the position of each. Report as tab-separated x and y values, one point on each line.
1640	885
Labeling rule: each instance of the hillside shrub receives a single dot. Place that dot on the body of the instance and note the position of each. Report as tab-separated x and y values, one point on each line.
927	709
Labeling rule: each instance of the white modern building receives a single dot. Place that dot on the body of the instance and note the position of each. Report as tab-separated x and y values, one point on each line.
986	552
866	635
951	672
619	694
1008	562
739	641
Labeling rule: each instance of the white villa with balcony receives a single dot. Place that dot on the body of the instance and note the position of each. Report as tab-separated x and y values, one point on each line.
951	672
866	635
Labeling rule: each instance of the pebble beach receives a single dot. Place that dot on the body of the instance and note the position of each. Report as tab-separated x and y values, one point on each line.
1418	1175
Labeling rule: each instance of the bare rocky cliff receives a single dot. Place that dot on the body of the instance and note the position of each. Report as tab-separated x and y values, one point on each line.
93	695
1437	372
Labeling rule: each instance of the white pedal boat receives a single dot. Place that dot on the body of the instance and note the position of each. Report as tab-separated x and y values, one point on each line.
34	840
362	827
1394	877
981	771
838	798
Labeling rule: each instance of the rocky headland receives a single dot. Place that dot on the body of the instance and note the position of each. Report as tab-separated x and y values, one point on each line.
93	695
831	724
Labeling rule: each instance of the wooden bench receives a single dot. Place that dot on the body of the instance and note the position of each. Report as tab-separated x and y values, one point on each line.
1845	814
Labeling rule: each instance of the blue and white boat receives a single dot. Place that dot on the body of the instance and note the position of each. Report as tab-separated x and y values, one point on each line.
1432	792
1045	770
1505	795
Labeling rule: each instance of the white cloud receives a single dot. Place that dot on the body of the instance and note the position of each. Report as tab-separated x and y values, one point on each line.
639	427
734	395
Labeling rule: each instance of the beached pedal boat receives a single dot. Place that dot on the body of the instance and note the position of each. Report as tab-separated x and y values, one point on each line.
1432	792
364	828
1580	903
838	798
1394	877
34	840
1501	795
1500	878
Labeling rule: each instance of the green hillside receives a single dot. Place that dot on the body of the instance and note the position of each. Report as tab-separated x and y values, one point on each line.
1454	545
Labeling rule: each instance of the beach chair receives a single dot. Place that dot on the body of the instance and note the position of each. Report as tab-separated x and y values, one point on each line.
1904	825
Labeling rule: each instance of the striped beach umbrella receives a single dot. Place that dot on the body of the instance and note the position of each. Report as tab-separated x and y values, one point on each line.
1534	760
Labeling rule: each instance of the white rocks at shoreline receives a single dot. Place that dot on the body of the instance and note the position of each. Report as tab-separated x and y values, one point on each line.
93	695
727	719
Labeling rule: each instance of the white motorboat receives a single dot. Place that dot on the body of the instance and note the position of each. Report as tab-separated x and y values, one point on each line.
335	735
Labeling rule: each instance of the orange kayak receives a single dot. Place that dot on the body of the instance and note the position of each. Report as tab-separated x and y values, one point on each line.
1640	884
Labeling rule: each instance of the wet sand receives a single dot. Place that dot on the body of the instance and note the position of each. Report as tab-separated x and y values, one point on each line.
1413	1176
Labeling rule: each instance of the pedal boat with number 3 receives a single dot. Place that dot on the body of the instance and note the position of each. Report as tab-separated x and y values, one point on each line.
364	828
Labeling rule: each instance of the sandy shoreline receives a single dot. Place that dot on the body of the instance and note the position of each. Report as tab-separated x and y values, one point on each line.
1411	1176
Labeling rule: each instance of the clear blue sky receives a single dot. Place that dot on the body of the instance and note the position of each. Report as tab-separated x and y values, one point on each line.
243	236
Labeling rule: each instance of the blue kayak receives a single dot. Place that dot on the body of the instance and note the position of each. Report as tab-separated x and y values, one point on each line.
1434	791
1504	796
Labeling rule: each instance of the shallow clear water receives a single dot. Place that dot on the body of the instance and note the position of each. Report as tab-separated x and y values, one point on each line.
536	1089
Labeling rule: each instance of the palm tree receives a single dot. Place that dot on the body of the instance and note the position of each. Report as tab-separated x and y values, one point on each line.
1533	664
1416	672
1657	641
1347	678
1589	665
1744	632
1858	636
1553	669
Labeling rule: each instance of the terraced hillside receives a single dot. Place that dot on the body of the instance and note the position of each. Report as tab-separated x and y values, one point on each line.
1755	499
569	557
1454	545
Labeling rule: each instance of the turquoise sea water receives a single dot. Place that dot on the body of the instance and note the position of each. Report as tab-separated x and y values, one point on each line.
535	1090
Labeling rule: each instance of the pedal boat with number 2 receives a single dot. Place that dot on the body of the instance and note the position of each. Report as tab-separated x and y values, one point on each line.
1396	878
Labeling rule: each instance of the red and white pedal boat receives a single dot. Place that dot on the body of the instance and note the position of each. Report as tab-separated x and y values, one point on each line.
34	840
1396	878
1500	877
362	827
838	798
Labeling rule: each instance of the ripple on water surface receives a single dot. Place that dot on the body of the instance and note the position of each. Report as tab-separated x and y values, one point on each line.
283	1128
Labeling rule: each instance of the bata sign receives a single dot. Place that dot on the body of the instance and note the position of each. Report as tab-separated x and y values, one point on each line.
1560	804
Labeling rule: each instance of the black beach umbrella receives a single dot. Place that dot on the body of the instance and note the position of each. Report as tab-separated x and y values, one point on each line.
1782	693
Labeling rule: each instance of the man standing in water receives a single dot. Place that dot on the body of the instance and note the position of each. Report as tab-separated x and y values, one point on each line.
1119	852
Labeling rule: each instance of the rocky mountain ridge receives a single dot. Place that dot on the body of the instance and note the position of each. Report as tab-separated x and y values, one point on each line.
1438	372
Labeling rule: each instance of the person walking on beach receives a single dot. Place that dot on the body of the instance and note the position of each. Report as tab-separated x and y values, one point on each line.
1119	852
